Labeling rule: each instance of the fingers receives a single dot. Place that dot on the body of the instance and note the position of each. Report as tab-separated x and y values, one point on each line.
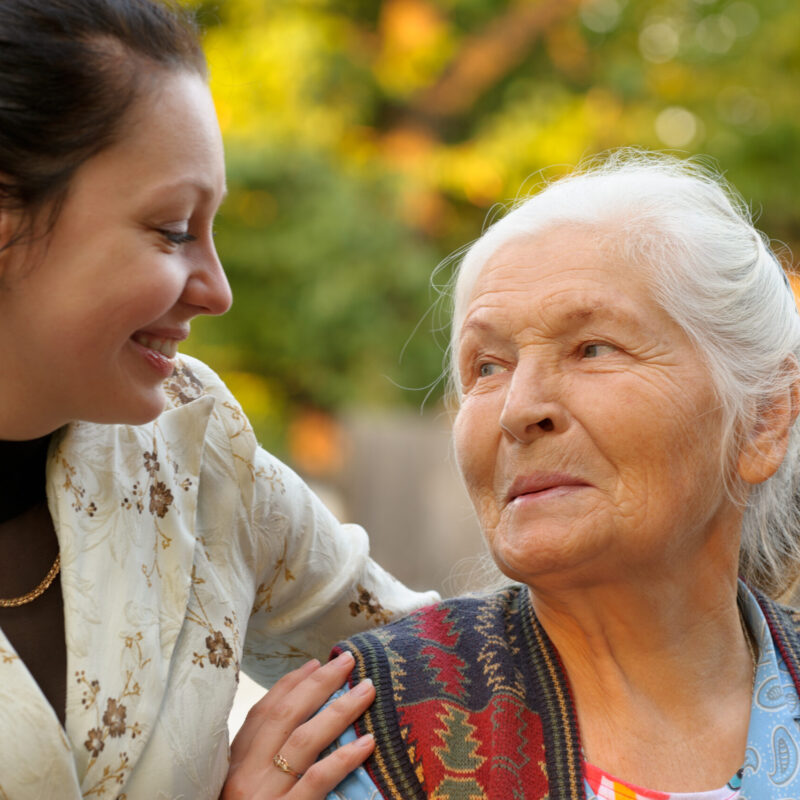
306	742
284	709
255	716
280	723
324	775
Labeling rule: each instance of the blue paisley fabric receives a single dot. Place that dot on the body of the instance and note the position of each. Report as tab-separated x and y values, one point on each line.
772	759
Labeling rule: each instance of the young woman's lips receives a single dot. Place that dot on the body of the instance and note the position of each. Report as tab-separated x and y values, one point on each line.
159	348
543	485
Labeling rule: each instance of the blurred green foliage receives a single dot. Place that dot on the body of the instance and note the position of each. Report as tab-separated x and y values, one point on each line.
367	139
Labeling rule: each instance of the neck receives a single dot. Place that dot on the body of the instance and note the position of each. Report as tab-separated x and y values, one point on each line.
30	408
657	664
652	617
642	632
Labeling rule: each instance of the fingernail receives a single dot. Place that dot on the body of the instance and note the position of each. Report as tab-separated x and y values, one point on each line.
365	741
363	687
343	658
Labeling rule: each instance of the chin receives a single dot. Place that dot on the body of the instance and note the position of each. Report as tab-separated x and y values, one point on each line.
516	565
530	559
135	410
147	410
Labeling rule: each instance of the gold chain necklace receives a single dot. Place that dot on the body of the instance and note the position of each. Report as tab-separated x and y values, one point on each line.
38	591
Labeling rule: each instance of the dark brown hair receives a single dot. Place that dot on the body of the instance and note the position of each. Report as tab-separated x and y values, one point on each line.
69	71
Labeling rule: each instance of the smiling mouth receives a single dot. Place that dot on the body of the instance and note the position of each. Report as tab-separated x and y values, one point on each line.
167	347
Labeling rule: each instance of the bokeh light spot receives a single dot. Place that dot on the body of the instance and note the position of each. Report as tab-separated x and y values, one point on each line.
659	41
744	16
676	126
716	34
738	106
601	16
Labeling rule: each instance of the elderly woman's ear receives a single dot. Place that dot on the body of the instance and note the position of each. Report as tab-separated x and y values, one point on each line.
765	446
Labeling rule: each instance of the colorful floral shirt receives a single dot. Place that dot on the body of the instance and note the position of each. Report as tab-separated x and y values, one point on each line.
602	786
188	553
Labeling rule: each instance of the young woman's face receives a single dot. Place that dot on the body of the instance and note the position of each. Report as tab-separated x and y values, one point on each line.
92	314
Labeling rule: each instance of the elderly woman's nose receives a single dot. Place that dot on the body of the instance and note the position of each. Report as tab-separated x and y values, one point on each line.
530	409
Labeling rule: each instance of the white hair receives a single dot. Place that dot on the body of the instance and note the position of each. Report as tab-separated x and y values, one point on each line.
716	276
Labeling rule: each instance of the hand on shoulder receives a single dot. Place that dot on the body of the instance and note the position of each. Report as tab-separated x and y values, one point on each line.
275	753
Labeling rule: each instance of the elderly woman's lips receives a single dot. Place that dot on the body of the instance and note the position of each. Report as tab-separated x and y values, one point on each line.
540	484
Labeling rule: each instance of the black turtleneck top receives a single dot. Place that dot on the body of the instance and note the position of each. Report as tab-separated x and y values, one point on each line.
28	548
22	476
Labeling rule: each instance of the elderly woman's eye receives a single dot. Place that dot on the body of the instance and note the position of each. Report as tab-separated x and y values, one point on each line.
596	349
489	368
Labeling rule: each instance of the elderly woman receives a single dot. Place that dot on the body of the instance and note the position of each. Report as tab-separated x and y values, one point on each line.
625	355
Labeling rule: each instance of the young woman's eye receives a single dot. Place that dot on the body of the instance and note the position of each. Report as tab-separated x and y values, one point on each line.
177	237
596	349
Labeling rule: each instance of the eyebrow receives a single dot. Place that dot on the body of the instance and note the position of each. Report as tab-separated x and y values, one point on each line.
205	190
589	312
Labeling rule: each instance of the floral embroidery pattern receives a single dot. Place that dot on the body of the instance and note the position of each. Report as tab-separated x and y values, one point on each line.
369	605
151	464
183	386
219	652
71	486
114	718
110	776
112	722
7	656
272	476
263	598
276	654
94	744
237	415
159	497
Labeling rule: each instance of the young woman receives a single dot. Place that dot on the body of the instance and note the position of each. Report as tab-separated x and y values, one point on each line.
149	549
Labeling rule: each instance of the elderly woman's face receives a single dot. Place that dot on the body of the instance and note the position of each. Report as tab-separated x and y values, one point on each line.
588	433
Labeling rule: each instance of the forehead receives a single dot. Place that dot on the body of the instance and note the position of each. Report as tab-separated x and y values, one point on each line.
170	138
567	275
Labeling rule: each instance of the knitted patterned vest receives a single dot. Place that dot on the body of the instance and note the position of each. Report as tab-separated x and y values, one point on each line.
472	701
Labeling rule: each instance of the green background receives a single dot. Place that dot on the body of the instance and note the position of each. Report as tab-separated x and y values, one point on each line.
367	141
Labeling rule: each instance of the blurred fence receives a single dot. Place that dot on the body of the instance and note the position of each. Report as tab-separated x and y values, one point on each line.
400	482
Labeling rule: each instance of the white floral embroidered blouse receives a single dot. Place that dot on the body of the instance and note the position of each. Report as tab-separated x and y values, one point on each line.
188	553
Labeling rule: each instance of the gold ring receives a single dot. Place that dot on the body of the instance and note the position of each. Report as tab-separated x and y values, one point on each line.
283	765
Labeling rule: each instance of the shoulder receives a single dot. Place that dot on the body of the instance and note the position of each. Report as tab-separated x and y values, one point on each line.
778	614
443	677
784	625
460	625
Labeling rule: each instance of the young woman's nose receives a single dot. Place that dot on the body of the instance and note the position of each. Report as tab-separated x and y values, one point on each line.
207	288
